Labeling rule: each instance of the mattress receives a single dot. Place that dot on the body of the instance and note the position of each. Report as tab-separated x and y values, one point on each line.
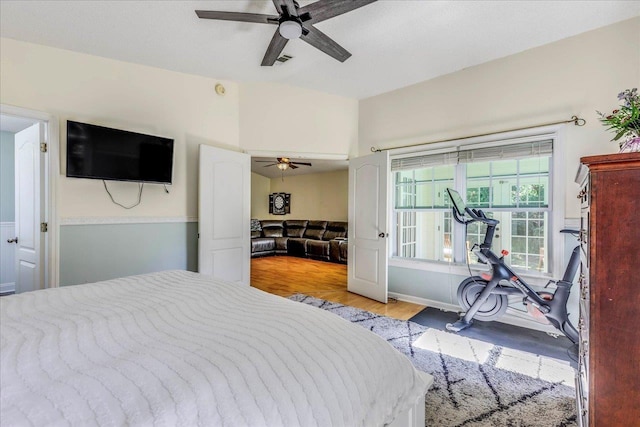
178	348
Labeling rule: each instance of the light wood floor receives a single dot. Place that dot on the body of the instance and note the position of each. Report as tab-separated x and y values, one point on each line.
285	276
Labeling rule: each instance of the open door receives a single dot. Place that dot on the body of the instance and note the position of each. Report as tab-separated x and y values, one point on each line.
29	209
368	226
224	246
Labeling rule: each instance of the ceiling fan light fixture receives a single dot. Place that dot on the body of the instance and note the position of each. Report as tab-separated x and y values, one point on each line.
290	29
283	166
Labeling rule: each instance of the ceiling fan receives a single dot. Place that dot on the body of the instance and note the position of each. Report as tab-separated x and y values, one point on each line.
295	22
284	163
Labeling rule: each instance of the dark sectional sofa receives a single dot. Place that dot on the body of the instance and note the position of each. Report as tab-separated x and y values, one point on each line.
324	240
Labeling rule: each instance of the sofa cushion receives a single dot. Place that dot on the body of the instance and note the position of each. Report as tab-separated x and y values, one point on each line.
297	246
281	244
338	250
335	229
262	244
315	230
295	227
271	228
318	249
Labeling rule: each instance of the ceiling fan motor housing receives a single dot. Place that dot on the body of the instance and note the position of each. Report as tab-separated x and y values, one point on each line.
290	28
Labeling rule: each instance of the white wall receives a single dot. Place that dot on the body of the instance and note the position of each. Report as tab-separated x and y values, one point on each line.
288	120
117	94
575	76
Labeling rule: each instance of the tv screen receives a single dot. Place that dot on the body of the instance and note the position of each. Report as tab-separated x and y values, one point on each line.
99	152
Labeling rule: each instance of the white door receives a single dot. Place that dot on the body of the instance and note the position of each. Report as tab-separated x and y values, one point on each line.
29	206
368	226
224	247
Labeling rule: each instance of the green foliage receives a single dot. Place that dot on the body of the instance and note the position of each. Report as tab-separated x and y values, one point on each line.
624	121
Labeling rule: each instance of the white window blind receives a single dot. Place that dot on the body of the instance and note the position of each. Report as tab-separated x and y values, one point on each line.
468	155
423	161
513	151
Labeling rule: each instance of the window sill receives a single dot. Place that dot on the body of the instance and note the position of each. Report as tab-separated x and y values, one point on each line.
459	269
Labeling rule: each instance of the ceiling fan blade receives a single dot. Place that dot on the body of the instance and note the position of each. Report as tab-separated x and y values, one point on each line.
292	166
325	9
291	7
275	48
300	163
320	40
263	161
278	5
238	16
272	164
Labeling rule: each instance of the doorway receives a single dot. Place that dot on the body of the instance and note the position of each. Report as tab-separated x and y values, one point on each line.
28	164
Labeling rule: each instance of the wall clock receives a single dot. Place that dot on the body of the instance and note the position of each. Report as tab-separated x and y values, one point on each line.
279	203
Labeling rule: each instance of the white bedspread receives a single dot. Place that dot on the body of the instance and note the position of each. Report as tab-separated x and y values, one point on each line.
182	349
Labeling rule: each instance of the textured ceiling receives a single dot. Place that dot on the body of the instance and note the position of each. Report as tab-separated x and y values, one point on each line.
395	43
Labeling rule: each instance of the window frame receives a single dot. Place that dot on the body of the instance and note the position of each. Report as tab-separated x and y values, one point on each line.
556	202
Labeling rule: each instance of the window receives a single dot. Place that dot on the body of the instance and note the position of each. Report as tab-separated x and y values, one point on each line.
509	182
421	209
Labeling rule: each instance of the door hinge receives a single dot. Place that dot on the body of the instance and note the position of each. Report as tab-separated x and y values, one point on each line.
43	147
44	227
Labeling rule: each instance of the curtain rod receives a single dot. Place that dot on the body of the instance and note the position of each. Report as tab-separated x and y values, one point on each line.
574	119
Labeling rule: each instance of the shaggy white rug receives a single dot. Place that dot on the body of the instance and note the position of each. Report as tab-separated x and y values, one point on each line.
476	383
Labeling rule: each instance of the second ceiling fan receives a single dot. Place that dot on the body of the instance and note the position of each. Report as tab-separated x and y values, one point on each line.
295	22
284	163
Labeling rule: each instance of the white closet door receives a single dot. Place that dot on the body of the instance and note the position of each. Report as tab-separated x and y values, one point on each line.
29	209
224	246
368	226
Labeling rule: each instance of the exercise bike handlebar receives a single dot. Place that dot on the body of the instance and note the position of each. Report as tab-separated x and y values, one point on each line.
476	215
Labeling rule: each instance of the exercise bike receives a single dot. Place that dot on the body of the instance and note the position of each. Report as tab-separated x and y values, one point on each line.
486	298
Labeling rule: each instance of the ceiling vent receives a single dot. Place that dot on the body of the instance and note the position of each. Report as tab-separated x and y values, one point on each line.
284	58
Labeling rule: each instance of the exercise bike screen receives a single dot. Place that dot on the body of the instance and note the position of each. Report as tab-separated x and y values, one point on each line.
458	203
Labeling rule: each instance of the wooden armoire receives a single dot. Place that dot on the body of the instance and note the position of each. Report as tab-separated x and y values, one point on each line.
608	377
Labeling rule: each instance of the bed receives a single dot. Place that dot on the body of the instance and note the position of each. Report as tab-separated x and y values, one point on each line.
179	348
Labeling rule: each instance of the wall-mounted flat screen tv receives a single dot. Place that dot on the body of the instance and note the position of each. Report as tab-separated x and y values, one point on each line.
99	152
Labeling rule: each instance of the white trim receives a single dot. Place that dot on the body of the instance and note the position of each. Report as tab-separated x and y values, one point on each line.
413	416
125	220
52	270
293	155
459	269
573	223
7	288
511	317
557	204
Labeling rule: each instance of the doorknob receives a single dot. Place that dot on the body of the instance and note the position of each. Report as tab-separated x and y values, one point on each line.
382	235
14	240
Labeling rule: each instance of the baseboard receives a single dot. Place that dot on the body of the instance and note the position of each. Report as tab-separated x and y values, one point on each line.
510	317
7	288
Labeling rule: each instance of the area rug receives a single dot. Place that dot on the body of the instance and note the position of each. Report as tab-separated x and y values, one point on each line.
476	383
